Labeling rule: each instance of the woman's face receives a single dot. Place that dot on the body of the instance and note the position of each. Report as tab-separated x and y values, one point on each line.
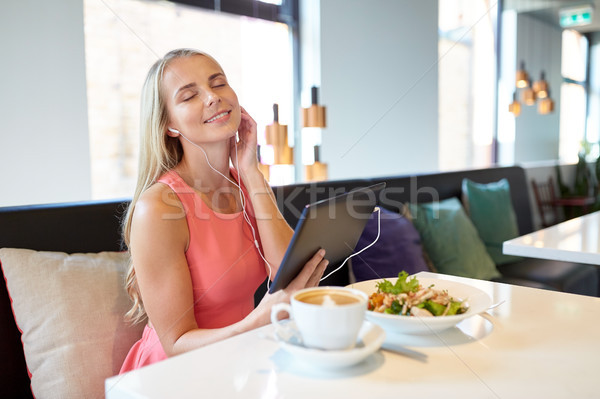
200	103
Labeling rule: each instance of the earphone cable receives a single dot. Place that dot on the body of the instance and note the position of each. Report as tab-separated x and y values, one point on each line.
242	200
365	248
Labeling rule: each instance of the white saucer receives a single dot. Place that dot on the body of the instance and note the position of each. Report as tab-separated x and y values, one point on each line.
370	338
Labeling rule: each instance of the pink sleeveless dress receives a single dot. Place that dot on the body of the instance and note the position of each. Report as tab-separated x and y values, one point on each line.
225	267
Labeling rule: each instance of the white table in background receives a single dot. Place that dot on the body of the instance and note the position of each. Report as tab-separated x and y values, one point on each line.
536	344
575	240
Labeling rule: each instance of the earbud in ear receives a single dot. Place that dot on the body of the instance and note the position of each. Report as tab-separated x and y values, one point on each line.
173	130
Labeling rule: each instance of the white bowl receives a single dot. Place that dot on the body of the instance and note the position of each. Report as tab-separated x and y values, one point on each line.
477	300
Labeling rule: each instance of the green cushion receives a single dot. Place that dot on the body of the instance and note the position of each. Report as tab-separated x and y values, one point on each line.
490	209
451	240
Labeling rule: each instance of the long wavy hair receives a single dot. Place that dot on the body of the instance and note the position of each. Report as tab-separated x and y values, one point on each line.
158	154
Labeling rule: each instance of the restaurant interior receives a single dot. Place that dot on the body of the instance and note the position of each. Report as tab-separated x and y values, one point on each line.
482	117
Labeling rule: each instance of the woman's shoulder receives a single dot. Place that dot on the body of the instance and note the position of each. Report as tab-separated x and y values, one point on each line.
158	224
157	201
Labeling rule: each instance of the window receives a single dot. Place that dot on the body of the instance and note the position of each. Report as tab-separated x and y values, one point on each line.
124	38
573	97
467	82
593	118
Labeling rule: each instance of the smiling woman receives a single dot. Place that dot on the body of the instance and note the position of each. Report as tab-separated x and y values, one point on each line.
202	235
122	39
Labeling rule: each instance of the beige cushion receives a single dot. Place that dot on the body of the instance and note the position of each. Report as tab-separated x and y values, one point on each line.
70	309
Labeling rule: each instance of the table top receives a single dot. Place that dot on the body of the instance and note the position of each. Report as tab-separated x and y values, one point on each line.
536	343
575	240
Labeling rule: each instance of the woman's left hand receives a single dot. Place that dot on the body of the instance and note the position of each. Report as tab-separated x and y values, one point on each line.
245	158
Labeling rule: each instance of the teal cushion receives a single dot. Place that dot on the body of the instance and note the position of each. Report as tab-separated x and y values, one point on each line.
490	209
451	240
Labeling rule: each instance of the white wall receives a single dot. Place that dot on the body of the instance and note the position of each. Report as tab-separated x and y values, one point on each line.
44	146
379	83
539	45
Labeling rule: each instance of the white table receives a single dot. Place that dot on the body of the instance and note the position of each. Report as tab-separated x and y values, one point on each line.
537	344
576	240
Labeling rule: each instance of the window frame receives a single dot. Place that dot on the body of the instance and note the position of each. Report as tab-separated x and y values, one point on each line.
286	13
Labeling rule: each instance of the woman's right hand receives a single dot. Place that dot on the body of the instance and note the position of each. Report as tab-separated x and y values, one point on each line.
309	276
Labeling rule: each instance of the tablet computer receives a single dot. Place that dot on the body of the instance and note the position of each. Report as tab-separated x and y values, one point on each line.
334	224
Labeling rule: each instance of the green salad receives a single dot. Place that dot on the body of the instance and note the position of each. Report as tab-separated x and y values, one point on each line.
409	297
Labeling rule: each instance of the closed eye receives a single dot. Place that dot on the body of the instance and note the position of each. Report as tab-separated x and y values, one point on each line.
189	97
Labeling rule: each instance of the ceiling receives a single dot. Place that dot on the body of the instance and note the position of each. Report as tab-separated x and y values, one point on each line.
548	10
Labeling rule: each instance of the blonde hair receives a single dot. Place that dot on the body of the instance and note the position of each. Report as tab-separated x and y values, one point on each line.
158	153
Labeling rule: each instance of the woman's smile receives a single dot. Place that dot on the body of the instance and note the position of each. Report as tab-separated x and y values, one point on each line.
222	116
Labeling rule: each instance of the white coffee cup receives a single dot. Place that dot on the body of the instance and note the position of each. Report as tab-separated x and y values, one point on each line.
326	317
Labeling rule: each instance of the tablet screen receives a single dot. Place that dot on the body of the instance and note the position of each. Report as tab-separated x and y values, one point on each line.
334	224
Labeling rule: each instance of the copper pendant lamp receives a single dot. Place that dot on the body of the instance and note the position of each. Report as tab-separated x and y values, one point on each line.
521	77
546	105
540	87
314	116
528	95
515	106
277	136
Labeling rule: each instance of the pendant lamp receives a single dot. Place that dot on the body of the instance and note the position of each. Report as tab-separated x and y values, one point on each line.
546	105
522	79
540	87
316	171
314	116
528	95
277	136
515	106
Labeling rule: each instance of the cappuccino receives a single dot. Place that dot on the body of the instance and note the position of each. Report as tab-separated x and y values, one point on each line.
326	317
327	298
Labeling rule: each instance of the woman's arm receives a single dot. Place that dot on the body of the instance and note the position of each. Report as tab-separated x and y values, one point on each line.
159	239
274	231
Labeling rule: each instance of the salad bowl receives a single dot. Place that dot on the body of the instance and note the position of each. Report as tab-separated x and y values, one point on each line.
476	300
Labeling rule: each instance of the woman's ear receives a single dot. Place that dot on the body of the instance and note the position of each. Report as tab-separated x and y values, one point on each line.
172	132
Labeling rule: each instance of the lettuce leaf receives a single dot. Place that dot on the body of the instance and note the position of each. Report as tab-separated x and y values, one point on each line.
402	285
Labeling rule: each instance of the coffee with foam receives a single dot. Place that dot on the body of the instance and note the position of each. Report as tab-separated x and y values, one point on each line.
326	317
328	298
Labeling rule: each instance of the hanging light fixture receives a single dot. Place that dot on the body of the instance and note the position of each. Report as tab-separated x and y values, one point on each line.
546	105
515	106
277	136
317	171
522	79
314	116
528	95
540	87
539	90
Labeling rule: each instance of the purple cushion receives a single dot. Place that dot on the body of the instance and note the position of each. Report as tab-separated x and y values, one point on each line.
398	248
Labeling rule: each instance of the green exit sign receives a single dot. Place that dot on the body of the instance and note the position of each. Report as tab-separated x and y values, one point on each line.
576	16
